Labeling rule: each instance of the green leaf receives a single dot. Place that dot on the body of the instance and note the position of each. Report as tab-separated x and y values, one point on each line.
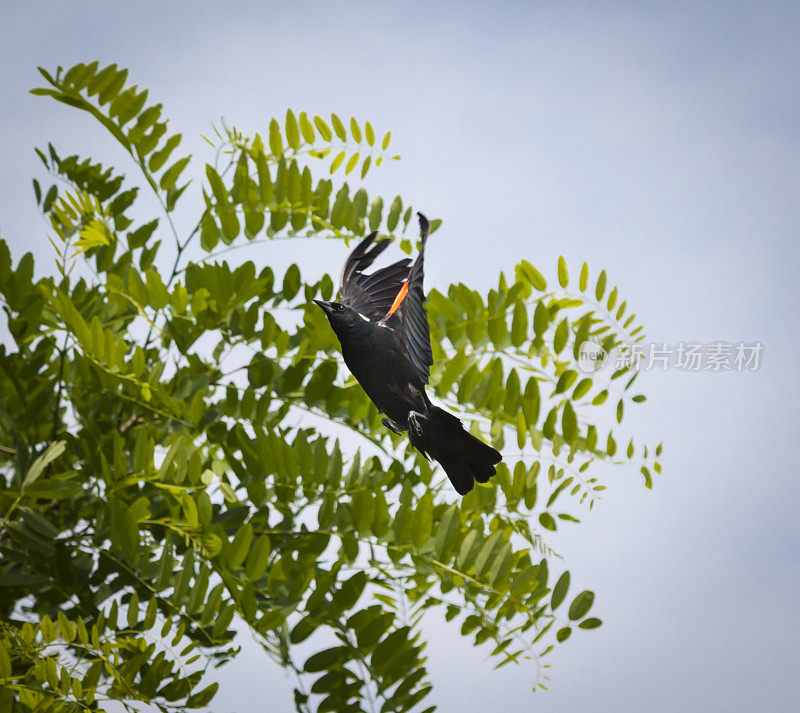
22	579
355	130
337	161
139	237
394	213
338	127
306	128
584	279
292	130
581	605
563	275
466	548
546	521
390	648
611	445
519	324
365	166
159	158
565	381
217	186
560	590
170	177
423	519
590	624
528	273
323	128
350	591
53	451
133	610
352	162
446	531
303	629
581	389
291	282
569	423
203	698
189	510
601	285
209	232
240	546
258	559
561	335
67	628
612	299
325	660
49	199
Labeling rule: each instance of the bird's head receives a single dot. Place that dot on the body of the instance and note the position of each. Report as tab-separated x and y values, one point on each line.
341	317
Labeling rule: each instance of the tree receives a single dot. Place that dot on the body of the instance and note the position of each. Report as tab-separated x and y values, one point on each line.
169	447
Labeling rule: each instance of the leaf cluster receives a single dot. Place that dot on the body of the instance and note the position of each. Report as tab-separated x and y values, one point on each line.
181	449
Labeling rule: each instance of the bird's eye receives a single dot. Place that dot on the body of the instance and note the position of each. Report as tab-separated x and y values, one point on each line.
340	307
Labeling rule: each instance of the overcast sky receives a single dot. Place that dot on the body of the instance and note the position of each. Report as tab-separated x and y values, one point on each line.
660	141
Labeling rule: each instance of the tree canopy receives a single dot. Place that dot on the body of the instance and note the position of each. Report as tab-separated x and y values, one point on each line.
181	448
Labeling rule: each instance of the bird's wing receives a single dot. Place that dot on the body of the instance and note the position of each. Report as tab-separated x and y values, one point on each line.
407	313
371	295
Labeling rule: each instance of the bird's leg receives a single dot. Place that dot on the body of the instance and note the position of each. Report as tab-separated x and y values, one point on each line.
415	420
392	426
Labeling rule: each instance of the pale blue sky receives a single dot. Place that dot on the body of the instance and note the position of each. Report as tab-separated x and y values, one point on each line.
658	140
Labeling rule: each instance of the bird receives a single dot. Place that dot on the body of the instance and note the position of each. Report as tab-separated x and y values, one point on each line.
382	326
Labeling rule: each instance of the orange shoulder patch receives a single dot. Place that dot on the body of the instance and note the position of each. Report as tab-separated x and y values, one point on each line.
398	300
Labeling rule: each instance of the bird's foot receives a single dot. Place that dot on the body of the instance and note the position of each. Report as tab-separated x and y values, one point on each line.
415	420
392	426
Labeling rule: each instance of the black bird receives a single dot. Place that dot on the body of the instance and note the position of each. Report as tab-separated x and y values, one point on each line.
382	325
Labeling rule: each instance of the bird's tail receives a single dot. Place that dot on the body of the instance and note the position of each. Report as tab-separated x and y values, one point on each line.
464	458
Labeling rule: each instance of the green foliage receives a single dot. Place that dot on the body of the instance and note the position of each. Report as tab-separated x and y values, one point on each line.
169	448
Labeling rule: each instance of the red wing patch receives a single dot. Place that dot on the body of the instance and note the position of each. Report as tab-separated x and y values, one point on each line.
398	300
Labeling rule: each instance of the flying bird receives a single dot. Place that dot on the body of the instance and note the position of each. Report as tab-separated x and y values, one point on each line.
382	325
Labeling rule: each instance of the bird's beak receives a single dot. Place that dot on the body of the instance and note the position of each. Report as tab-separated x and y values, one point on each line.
326	306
